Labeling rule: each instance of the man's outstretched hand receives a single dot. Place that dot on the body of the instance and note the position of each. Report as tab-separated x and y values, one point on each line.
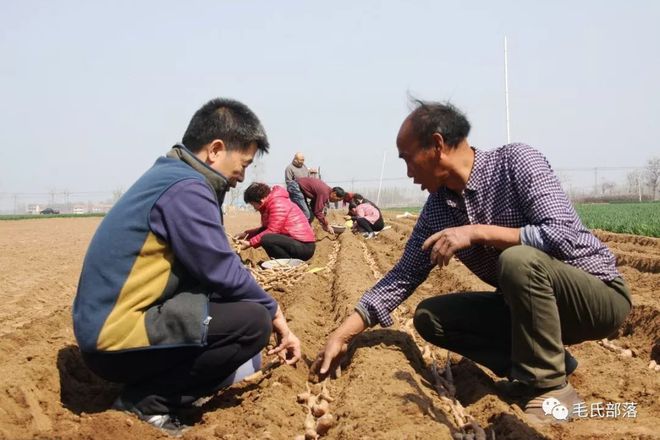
328	359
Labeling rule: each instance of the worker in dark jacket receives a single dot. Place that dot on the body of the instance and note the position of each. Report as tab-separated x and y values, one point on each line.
319	194
164	305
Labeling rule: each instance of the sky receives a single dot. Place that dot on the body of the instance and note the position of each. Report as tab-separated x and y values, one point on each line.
92	92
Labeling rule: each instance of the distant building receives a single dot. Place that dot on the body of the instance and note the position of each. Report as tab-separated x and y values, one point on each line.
33	208
101	208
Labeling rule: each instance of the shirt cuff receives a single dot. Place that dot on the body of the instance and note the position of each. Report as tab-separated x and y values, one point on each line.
364	314
531	236
377	314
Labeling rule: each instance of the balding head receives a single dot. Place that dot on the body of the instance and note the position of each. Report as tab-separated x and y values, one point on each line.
298	159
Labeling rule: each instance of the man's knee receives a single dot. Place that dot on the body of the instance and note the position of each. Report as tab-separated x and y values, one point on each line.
516	265
427	323
260	324
513	258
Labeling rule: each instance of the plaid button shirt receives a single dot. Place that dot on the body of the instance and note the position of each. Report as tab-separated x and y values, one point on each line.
511	186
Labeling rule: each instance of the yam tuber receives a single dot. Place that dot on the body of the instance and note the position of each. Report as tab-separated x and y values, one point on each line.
325	394
321	408
324	423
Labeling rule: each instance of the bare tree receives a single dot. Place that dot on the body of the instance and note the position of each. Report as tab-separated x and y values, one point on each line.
652	175
633	180
116	194
67	198
634	183
607	187
52	194
258	169
566	184
234	194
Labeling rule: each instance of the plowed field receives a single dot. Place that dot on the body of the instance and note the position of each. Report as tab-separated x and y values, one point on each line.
387	390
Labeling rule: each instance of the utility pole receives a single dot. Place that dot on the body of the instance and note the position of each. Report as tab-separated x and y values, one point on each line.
506	91
380	182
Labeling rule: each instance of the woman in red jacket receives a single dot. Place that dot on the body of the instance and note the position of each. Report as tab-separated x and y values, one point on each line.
285	231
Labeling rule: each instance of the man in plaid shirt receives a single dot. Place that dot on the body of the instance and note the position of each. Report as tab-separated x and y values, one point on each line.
504	215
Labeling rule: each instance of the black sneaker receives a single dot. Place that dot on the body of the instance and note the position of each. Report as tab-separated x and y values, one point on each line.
166	422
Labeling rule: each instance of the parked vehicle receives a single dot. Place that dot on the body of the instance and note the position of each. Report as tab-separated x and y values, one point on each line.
50	211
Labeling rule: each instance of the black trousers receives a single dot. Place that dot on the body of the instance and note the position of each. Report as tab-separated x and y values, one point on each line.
160	380
366	226
283	246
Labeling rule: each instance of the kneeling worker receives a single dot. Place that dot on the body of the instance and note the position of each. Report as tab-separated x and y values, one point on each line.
367	218
285	231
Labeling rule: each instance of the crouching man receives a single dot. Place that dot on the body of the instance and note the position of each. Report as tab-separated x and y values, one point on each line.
164	305
504	215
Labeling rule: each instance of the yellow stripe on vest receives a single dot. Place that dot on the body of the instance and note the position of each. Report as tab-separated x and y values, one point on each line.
124	328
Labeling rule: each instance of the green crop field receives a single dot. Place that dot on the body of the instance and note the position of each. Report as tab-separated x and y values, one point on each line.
628	218
410	209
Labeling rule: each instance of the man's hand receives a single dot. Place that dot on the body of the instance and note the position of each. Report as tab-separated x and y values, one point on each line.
288	344
244	244
329	230
337	345
328	359
445	243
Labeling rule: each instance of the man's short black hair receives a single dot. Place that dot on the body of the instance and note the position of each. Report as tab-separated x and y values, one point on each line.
339	192
430	117
256	192
228	120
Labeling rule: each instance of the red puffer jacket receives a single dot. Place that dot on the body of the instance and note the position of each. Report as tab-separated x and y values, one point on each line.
279	215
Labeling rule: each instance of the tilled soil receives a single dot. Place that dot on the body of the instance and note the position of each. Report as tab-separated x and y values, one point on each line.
386	389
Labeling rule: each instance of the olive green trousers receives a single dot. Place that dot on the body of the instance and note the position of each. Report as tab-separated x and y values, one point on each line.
520	330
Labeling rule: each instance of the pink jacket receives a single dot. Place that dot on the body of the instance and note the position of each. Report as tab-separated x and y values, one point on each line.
367	211
279	215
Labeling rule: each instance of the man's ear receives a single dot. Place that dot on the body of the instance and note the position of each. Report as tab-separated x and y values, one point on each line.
215	149
439	144
438	141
